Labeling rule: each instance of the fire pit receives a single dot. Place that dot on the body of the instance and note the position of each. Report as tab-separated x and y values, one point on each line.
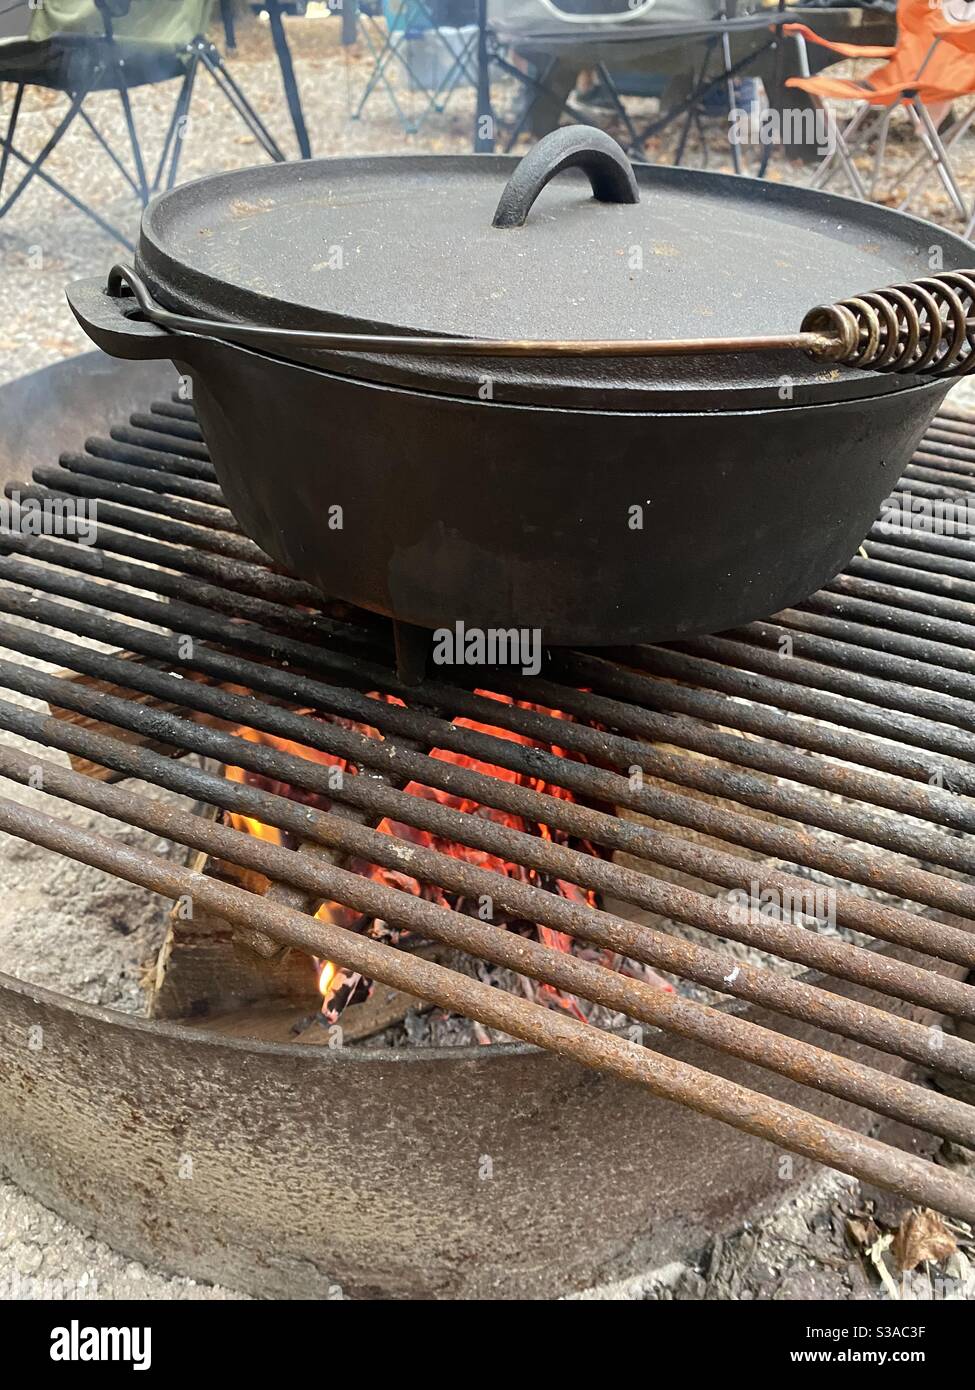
814	766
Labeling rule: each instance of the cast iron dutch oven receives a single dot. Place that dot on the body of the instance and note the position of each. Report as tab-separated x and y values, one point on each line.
439	389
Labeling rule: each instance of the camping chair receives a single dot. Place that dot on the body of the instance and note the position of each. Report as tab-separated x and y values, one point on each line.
80	47
705	46
432	42
959	35
923	74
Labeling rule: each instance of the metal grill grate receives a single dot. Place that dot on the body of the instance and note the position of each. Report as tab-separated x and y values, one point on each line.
832	744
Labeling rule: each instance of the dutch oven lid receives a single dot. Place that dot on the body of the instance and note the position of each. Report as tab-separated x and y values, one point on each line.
412	245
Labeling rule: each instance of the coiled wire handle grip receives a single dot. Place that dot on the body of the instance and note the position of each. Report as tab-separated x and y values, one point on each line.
925	328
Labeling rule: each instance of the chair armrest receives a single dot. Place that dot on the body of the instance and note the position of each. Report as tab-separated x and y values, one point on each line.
802	32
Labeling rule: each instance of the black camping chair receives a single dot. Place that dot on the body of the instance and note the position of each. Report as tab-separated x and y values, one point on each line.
113	45
634	47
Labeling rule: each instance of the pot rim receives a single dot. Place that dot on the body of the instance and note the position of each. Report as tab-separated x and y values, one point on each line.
750	381
657	411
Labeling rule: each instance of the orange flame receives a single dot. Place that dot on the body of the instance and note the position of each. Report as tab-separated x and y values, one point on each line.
331	976
326	975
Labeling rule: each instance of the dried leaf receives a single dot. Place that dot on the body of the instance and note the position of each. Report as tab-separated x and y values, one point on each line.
876	1255
922	1235
862	1230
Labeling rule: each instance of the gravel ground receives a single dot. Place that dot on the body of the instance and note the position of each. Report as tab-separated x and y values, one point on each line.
802	1251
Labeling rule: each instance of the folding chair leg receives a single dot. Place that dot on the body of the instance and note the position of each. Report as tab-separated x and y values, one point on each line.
928	132
684	137
538	86
842	153
826	168
173	144
881	151
214	65
382	53
448	84
140	168
730	85
957	130
34	165
620	109
8	138
68	196
110	152
280	40
689	114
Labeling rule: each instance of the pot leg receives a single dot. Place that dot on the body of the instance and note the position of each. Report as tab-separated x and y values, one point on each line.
412	652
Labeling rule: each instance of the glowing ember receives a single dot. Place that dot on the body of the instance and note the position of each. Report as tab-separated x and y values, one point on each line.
340	987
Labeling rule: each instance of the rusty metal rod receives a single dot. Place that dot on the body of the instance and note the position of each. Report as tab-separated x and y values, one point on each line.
639	690
94	562
196	513
965	419
545	809
446	823
920	561
803	1062
866	703
917	487
663	951
853	822
926	540
900	674
713	670
177	405
918	626
154	480
901	623
942	475
135	518
803	1133
952	618
926	803
886	874
906	578
142	456
941	450
182	554
775	759
785	762
153	439
946	668
929	803
160	417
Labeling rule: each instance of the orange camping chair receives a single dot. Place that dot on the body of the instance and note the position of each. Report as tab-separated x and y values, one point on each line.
924	69
958	34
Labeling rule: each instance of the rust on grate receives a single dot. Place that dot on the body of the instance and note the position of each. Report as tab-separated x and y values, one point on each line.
832	745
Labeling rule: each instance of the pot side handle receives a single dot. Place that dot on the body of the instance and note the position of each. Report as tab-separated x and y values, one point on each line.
105	317
572	147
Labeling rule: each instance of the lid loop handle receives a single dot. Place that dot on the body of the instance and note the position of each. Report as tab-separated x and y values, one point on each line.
572	147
